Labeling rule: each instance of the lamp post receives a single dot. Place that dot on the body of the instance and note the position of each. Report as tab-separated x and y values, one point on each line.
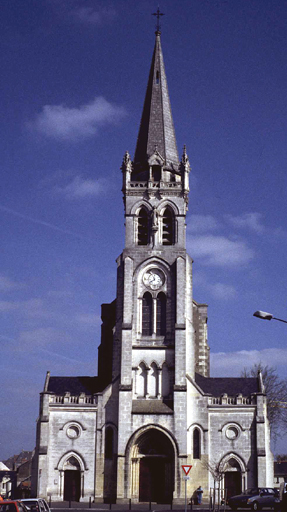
267	316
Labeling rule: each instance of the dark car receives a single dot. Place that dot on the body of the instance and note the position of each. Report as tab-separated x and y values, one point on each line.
255	498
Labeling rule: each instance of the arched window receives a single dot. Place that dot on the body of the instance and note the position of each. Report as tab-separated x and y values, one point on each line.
143	227
147	319
141	381
196	444
153	381
109	443
161	314
167	227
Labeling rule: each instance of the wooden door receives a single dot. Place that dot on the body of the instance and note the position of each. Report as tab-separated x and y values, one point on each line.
72	485
232	483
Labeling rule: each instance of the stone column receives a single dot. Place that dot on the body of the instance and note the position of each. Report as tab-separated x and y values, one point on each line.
159	383
154	310
135	477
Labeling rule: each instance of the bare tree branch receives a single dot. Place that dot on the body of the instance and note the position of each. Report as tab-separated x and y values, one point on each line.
276	392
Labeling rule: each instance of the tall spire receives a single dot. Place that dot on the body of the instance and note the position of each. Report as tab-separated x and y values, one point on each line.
156	129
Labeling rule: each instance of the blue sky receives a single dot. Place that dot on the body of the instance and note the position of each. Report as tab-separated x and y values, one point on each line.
74	74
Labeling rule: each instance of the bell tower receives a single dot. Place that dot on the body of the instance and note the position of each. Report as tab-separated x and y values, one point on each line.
154	336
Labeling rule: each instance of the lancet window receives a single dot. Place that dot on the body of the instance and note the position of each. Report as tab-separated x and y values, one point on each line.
153	315
196	443
147	314
161	314
153	381
143	227
168	227
142	381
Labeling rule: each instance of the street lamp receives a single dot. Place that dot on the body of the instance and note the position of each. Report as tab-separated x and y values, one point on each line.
267	316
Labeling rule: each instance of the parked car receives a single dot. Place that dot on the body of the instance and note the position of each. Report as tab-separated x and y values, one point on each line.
256	498
36	504
12	506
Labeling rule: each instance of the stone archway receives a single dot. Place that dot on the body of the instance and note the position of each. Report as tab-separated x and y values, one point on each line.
234	471
152	467
71	472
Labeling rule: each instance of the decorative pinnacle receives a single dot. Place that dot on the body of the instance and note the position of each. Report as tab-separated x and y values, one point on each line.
157	14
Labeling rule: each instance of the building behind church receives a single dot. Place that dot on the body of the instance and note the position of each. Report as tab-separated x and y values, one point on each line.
153	407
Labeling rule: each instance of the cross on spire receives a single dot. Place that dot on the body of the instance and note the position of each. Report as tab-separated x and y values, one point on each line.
158	14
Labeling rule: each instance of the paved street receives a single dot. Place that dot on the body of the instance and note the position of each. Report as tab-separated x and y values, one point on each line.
142	507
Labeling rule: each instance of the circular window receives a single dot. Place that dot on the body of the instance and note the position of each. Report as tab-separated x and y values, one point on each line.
232	432
73	431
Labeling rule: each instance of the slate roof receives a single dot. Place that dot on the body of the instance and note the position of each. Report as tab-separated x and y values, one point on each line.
217	386
74	385
156	128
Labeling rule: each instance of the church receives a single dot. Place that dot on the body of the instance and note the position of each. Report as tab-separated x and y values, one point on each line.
125	434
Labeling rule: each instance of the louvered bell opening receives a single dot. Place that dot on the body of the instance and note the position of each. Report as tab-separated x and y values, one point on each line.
167	228
143	231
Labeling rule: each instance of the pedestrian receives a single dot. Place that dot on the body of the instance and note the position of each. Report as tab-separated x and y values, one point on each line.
199	492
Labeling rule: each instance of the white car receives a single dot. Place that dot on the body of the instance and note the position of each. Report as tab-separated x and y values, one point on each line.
36	504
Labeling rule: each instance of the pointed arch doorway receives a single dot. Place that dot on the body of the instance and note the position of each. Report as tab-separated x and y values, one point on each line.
234	471
153	460
72	480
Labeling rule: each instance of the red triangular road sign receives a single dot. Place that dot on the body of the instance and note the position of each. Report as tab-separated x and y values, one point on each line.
186	468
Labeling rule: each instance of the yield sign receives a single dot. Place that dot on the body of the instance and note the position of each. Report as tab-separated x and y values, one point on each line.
186	468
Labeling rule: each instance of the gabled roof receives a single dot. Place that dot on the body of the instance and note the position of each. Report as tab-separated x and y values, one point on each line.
156	129
3	467
74	385
232	386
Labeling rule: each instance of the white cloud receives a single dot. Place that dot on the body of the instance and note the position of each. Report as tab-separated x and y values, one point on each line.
222	291
64	123
7	284
43	336
251	221
32	308
202	223
41	223
6	305
218	290
219	250
80	188
92	16
232	363
60	294
89	319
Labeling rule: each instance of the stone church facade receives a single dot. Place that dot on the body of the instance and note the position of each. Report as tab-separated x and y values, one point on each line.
153	406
